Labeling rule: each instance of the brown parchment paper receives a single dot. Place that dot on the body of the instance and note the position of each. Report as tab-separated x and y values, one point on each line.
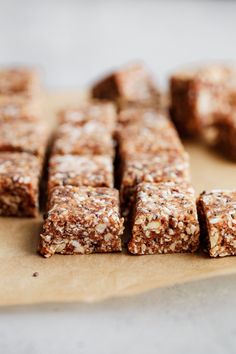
96	277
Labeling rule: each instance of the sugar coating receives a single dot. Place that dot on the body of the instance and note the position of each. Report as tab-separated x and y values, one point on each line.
161	167
217	215
22	136
104	113
19	184
94	171
82	220
152	133
90	139
165	219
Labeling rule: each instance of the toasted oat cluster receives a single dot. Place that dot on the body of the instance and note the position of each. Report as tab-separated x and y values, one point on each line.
196	96
93	171
104	113
90	139
152	134
82	220
162	167
18	81
165	219
19	184
129	85
217	215
22	136
19	107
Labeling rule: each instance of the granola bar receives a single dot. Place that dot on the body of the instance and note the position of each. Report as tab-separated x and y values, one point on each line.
196	96
23	136
19	184
151	133
104	113
82	220
92	138
131	84
93	171
19	81
19	107
225	133
217	216
165	219
162	167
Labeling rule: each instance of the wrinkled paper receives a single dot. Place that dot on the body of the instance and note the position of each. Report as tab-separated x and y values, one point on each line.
27	278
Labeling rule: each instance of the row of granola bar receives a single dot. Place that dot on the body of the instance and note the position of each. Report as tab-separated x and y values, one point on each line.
203	104
83	211
155	181
23	141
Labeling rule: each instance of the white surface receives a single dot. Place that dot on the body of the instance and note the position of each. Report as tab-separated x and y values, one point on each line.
192	318
73	42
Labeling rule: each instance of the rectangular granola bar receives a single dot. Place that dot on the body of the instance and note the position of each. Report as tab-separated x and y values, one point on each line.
197	95
93	171
19	184
19	81
152	133
104	113
131	84
82	220
90	139
161	167
217	216
165	219
22	136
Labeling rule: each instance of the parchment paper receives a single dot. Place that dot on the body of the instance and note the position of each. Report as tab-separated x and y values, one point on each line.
96	277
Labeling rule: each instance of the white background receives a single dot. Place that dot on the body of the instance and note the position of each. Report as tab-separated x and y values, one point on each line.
73	42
